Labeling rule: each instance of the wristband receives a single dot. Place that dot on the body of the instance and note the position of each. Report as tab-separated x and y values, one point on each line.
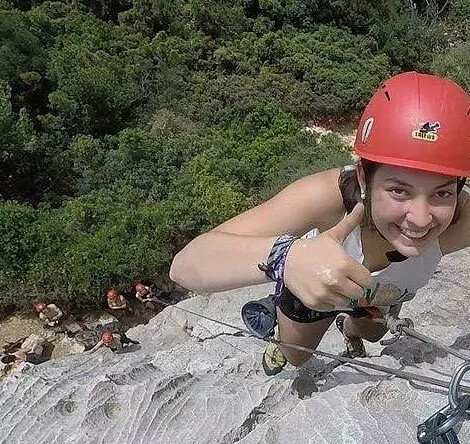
274	266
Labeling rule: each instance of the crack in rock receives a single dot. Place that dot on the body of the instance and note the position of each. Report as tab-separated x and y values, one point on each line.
237	334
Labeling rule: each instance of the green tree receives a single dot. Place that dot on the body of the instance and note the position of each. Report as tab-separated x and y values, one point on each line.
454	64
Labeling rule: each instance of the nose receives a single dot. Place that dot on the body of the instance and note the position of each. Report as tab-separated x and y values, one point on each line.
419	213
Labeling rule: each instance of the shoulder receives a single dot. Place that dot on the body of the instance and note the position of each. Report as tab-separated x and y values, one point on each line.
457	235
319	196
313	201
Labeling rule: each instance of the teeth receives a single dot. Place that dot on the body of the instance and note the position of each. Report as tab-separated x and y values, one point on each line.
414	234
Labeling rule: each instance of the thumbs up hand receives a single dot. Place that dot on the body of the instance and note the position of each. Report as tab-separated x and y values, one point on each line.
321	273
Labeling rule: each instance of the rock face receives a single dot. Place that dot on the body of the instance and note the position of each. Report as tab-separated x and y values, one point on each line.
194	381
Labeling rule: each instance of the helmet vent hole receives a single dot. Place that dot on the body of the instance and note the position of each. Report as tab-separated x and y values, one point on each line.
387	95
468	112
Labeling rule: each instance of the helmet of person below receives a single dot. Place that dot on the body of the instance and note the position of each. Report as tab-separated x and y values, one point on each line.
39	307
107	337
112	294
140	287
417	121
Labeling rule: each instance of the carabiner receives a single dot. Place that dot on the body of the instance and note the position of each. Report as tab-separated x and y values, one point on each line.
459	372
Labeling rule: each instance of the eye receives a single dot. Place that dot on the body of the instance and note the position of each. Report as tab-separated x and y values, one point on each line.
398	193
444	194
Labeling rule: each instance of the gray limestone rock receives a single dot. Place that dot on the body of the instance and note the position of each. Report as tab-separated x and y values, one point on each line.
193	381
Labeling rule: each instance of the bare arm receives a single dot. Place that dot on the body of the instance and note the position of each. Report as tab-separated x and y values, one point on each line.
227	257
59	314
96	347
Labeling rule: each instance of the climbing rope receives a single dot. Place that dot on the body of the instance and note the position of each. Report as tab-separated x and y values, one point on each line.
398	373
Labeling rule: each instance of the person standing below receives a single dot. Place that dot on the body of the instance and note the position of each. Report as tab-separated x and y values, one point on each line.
145	295
114	341
116	301
49	314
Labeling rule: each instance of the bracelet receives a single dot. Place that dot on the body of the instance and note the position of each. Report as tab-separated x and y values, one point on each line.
274	266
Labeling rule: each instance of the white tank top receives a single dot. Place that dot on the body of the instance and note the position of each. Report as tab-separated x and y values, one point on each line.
396	283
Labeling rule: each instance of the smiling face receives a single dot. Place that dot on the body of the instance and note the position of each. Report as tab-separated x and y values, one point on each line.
411	208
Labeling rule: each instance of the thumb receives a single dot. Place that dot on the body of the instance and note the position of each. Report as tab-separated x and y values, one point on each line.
345	227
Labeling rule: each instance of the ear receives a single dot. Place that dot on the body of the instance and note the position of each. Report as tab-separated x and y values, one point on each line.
361	177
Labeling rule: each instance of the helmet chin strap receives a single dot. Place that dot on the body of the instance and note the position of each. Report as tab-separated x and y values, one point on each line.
395	256
460	184
392	255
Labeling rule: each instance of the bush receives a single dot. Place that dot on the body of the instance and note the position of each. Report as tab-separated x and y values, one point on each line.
325	73
454	64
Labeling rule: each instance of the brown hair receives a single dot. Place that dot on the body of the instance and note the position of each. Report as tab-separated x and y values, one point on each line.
351	190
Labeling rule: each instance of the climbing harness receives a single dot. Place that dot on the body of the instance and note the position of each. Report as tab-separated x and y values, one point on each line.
438	429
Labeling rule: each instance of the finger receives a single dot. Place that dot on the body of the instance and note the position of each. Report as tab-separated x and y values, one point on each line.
346	226
341	300
350	289
336	299
328	302
359	274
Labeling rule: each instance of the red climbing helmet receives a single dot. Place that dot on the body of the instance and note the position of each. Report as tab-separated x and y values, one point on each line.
140	287
39	307
107	337
112	294
417	121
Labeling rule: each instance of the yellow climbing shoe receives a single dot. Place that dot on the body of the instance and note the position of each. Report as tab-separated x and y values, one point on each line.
273	359
355	347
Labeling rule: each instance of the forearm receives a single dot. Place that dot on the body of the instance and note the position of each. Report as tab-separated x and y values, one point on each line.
96	347
218	261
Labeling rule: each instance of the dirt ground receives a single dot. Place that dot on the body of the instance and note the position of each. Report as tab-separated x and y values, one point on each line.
17	327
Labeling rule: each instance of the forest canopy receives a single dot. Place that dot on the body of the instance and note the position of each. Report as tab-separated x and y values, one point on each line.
130	127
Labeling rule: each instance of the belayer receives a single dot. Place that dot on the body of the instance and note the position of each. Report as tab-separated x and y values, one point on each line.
350	244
